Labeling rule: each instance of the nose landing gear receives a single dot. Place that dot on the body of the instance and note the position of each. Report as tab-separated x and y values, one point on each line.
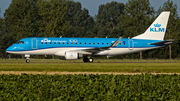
27	58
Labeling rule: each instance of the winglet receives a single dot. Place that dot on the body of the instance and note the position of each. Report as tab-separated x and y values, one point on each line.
103	48
116	42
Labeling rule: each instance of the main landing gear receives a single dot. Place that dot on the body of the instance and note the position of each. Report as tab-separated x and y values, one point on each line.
27	58
88	59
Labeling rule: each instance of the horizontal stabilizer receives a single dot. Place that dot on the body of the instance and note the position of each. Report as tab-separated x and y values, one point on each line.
166	42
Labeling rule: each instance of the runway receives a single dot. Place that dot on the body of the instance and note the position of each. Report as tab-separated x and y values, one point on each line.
76	73
90	63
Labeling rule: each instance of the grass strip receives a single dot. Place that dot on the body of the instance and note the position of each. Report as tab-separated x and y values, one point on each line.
94	67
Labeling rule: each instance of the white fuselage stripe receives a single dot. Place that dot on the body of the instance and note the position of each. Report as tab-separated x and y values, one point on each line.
111	51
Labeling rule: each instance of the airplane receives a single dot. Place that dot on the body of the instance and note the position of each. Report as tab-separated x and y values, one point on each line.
86	48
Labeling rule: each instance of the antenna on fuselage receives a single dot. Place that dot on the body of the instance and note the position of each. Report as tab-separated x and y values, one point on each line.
106	36
60	37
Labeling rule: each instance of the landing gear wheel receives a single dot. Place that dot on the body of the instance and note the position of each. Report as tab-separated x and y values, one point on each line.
88	59
27	60
91	60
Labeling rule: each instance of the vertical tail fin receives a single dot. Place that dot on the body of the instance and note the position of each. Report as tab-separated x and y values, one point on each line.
157	29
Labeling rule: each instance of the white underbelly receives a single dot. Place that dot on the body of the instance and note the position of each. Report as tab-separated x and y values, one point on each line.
122	51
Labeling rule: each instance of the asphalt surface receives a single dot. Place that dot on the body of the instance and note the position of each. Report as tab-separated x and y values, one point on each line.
93	62
76	73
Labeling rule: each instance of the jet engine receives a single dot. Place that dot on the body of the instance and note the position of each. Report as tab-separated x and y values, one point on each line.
73	55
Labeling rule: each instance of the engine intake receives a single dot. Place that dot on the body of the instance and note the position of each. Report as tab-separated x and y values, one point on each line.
73	55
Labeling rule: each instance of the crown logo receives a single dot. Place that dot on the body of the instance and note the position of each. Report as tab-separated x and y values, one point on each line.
45	40
157	25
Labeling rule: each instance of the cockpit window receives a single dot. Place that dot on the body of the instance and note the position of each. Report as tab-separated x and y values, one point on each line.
17	42
20	42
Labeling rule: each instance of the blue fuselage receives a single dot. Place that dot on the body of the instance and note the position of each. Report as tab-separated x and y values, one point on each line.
39	43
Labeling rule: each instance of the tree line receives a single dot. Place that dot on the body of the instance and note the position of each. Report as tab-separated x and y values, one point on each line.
66	18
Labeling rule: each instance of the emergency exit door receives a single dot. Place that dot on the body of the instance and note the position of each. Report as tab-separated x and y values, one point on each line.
130	44
34	43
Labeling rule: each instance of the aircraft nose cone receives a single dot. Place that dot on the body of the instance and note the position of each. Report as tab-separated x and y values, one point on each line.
11	48
8	49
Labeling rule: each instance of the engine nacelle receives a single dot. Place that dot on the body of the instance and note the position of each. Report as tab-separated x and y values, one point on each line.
73	55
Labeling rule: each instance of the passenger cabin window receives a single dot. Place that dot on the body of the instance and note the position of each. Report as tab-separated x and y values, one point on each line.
107	43
120	43
98	43
59	42
103	43
50	42
89	43
46	42
85	43
54	42
71	42
80	43
63	42
94	43
76	42
67	42
41	42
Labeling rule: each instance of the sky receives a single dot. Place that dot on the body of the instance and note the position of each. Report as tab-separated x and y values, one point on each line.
92	5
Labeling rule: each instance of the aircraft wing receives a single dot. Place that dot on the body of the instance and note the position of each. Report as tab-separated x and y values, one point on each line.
102	48
166	42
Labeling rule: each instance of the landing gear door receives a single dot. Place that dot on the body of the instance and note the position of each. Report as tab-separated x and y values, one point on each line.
130	44
34	43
